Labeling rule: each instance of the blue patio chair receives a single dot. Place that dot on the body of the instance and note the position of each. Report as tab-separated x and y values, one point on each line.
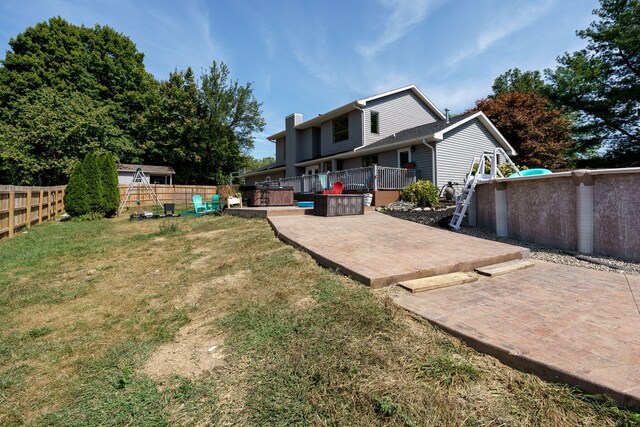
198	205
216	207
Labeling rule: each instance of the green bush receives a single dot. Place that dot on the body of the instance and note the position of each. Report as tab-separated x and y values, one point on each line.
110	186
91	174
422	193
506	169
75	195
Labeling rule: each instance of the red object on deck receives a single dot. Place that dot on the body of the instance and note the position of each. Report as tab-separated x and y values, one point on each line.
337	188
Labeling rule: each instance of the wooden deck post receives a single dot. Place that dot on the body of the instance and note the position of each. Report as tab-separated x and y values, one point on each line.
28	208
375	177
12	199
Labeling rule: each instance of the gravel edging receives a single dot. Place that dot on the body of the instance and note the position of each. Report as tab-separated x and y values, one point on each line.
441	218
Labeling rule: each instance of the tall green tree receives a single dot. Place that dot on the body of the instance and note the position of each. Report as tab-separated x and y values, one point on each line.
61	76
230	115
515	80
75	195
109	183
172	123
49	132
93	179
251	163
601	83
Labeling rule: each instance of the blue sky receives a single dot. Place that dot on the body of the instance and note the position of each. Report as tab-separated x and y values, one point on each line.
309	57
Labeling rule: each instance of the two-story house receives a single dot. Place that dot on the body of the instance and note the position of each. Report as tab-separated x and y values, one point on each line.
401	128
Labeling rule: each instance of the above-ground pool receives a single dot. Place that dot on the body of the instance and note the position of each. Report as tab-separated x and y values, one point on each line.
305	204
531	172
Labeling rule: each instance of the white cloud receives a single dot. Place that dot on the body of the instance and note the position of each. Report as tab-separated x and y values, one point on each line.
404	15
501	27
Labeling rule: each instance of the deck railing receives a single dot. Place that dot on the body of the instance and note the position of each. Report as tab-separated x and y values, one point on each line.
371	178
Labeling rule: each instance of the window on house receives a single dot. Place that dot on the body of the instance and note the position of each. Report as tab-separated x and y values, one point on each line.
404	157
369	160
326	166
339	164
340	129
284	148
374	122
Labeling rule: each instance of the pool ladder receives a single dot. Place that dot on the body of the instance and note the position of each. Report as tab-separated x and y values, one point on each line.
476	174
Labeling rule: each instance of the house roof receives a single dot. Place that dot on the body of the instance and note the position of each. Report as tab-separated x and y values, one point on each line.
149	169
435	132
272	167
357	104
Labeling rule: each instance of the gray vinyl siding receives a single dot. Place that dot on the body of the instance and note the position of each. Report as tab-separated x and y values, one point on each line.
396	112
456	152
304	139
353	163
280	151
388	159
327	146
422	157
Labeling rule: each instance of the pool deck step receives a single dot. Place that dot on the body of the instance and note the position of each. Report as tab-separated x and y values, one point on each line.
436	282
504	267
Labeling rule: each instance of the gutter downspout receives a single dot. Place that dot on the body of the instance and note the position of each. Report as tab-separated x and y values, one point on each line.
434	175
364	140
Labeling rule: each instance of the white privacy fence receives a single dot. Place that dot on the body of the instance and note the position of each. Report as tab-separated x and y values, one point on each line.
371	178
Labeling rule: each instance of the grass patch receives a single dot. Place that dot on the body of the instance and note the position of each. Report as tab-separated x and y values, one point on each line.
255	332
449	370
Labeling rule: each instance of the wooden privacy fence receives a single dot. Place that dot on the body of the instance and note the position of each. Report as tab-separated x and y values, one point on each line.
23	206
167	193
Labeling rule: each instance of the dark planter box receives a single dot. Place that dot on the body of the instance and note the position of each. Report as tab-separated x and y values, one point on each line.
338	204
269	196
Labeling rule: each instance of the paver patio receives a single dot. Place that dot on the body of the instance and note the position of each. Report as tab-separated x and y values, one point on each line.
568	324
379	250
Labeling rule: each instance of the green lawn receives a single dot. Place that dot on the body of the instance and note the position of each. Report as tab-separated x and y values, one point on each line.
212	320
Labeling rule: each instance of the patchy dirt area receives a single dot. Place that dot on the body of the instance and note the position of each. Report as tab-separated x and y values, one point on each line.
194	294
194	351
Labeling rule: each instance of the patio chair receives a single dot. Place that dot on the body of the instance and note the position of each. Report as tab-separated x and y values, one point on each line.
216	207
337	188
198	205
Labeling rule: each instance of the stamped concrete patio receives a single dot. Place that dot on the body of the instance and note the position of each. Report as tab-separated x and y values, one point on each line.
568	324
379	250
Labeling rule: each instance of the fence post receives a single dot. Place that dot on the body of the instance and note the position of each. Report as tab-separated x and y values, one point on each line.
375	177
41	206
28	208
12	199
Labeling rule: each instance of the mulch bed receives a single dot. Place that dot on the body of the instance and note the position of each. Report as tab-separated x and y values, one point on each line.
437	218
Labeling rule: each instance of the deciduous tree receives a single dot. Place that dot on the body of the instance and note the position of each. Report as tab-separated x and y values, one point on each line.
539	133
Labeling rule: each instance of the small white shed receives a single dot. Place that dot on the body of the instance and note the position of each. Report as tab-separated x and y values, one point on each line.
155	174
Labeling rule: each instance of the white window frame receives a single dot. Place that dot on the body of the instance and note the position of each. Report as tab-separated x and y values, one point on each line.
402	150
314	169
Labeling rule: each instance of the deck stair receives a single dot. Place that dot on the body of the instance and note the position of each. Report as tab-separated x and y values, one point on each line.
475	175
504	267
436	282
